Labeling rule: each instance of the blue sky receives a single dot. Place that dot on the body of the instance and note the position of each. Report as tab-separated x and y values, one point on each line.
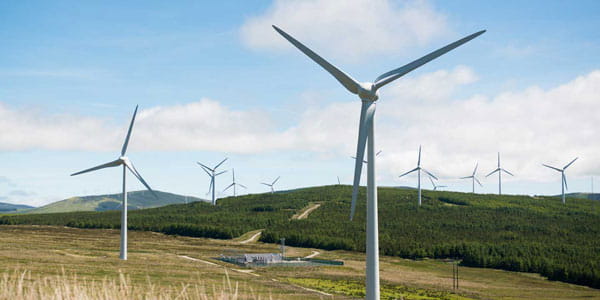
213	81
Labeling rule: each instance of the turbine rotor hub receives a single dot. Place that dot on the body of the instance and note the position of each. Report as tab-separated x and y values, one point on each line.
367	92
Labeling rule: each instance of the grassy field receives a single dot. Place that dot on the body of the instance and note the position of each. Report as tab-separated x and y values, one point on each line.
171	263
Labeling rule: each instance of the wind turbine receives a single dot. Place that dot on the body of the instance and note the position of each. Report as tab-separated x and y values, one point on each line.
127	164
499	170
339	183
271	184
234	184
212	173
418	169
435	187
564	178
473	177
368	94
366	162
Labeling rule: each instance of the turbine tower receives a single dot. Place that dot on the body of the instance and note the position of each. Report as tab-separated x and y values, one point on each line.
271	184
368	94
435	187
234	184
499	170
563	177
212	173
418	169
473	177
127	164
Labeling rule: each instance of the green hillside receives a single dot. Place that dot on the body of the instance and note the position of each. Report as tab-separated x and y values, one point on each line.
590	196
10	208
517	233
135	200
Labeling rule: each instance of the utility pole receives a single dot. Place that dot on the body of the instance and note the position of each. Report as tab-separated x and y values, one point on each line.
455	274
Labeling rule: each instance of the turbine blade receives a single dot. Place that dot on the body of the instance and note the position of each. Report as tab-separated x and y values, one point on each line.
275	180
498	160
570	163
419	160
478	181
348	82
228	187
432	183
466	177
475	170
429	173
114	163
564	177
378	152
408	172
126	143
265	184
399	72
492	172
241	185
219	164
551	167
507	172
212	179
360	153
220	173
204	166
205	170
137	174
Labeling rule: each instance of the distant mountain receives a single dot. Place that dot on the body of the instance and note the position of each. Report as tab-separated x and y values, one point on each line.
589	196
10	208
135	200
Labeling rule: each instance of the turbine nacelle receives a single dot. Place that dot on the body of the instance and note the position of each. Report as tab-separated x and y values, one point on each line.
368	92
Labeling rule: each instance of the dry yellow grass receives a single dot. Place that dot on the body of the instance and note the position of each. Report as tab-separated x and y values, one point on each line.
21	285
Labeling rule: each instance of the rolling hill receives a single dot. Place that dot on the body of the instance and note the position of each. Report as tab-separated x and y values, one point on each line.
135	200
516	233
594	196
11	208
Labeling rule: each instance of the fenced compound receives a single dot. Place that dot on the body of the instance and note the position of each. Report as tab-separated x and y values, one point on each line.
276	260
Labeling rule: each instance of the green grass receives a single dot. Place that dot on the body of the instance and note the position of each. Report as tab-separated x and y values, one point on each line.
516	233
92	254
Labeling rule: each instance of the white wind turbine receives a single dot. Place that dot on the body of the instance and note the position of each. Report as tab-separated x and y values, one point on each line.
563	177
365	161
473	177
435	187
499	170
368	94
418	169
127	164
234	184
271	184
212	173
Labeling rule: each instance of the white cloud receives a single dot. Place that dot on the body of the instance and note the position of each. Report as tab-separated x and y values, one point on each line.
368	27
530	127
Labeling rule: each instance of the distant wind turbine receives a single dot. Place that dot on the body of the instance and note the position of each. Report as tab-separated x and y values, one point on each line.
499	170
339	183
271	184
435	187
473	177
366	162
418	169
563	177
234	184
368	94
127	164
212	173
